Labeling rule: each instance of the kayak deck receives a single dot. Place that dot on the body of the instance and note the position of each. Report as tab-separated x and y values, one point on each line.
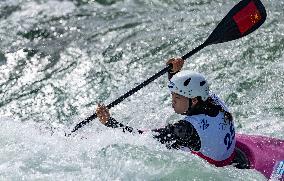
264	154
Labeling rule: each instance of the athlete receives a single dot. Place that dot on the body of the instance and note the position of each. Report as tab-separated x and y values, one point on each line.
207	129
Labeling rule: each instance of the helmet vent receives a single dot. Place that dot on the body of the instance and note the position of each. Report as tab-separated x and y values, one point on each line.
187	82
202	83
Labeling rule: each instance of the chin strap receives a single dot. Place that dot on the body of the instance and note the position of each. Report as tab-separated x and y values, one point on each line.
189	110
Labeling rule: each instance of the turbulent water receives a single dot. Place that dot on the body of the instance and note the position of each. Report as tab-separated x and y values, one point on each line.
59	58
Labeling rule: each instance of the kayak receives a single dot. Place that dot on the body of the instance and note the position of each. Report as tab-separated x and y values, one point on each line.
264	154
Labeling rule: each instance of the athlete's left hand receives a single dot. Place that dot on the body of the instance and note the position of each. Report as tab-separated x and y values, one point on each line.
103	113
176	63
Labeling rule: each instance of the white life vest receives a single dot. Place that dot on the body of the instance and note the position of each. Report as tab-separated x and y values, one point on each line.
217	136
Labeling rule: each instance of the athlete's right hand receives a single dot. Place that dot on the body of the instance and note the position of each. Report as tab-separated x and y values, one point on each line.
177	64
103	113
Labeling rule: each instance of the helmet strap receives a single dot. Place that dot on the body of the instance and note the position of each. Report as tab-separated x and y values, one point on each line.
189	110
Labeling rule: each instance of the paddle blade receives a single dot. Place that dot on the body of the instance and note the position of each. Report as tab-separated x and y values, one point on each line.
243	19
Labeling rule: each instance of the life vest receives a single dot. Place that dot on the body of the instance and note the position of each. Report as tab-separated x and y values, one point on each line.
217	136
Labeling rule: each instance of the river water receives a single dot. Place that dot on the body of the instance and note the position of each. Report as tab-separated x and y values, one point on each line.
59	58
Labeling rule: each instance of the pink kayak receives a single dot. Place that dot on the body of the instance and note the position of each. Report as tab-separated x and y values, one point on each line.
265	154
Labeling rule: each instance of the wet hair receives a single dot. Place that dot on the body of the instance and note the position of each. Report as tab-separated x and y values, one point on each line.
208	107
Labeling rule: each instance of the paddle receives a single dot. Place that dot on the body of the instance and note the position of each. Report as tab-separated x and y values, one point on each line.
244	18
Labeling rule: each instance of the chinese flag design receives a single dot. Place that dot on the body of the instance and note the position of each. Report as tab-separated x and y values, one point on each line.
247	17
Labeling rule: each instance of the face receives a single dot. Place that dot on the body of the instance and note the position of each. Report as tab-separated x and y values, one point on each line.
179	103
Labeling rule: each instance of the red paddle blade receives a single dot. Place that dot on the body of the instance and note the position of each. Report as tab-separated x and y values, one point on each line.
243	19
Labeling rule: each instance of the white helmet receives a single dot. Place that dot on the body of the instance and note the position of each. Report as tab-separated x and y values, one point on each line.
189	84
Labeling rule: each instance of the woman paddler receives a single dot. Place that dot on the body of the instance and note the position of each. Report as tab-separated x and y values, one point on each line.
207	129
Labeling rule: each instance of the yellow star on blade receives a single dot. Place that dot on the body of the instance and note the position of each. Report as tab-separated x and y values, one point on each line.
256	17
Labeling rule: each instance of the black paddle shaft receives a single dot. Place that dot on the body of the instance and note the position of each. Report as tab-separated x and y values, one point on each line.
121	98
137	88
242	19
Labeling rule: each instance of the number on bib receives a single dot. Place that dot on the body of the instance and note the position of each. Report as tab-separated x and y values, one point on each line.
228	140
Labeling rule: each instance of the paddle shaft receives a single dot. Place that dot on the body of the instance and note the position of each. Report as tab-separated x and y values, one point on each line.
242	19
137	88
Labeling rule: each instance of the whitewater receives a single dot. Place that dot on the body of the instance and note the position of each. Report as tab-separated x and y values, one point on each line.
59	58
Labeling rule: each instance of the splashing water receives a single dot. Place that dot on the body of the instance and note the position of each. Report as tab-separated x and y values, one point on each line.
58	59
